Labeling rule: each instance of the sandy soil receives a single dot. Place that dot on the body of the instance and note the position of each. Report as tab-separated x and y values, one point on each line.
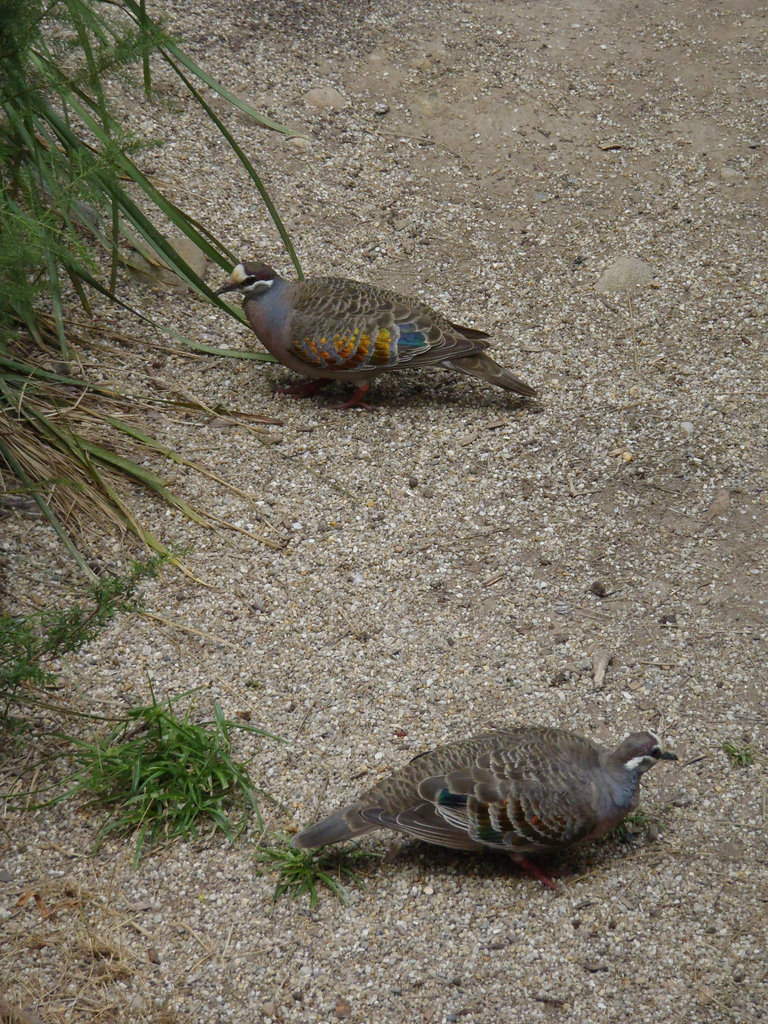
446	552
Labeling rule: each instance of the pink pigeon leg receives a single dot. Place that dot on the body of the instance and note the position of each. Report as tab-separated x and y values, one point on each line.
536	871
356	401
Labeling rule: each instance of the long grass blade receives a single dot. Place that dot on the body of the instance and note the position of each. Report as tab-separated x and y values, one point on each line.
246	108
144	476
250	169
229	353
183	58
144	23
47	511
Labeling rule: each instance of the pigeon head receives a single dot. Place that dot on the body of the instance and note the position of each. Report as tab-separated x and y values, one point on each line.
641	751
253	279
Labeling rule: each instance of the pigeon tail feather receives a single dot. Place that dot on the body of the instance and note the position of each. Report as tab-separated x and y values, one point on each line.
485	368
344	824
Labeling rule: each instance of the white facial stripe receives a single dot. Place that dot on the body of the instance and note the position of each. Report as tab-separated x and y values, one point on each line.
635	762
260	286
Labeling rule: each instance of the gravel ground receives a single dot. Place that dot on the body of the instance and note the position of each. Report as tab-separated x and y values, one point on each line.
456	557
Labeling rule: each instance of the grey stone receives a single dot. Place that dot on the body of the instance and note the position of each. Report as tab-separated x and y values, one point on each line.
299	142
325	98
628	274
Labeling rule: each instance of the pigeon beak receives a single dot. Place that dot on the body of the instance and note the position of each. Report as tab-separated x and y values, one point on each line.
667	755
236	280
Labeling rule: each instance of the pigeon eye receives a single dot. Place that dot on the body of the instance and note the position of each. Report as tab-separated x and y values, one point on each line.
656	752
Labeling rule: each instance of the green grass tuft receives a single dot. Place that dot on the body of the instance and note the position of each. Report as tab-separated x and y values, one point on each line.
303	872
160	776
741	754
29	642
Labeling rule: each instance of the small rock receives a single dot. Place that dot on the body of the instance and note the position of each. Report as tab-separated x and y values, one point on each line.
720	504
5	876
325	98
145	264
687	427
593	966
300	143
598	589
601	659
381	108
628	274
268	1009
342	1008
668	619
188	251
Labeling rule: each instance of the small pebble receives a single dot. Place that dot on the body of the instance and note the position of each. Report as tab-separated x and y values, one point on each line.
325	98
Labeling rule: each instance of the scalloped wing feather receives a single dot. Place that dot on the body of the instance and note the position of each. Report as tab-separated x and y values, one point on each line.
522	822
423	823
347	327
521	796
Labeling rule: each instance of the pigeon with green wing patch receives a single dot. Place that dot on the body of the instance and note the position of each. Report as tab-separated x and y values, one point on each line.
333	328
527	791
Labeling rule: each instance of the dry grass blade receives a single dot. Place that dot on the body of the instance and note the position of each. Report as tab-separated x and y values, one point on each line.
15	1015
72	192
73	449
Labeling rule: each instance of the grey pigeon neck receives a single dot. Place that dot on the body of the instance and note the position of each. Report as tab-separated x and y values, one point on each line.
614	764
624	785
